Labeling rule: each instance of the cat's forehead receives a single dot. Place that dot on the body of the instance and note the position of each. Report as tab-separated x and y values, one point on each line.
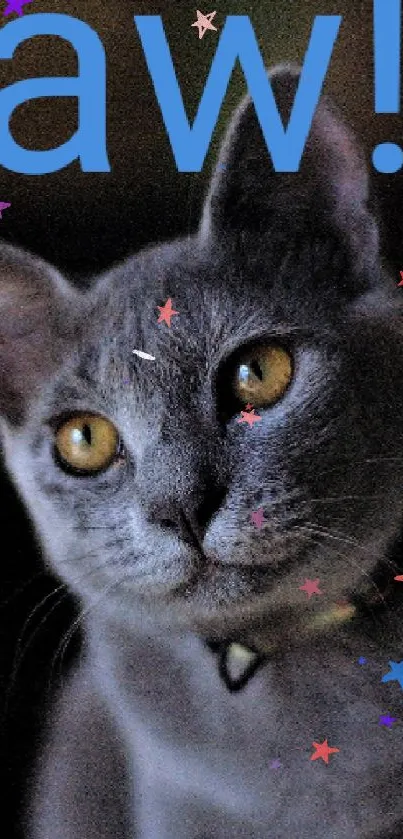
192	306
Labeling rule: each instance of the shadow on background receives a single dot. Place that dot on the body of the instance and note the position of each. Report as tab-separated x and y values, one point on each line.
83	222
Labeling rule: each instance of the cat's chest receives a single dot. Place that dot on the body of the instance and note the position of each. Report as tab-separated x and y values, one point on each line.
247	755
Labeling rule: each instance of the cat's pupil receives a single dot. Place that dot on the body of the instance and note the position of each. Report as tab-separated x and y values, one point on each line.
86	433
245	371
82	435
257	370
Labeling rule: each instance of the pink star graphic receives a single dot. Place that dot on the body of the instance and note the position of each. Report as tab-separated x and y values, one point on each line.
258	517
401	281
249	416
311	587
15	6
203	23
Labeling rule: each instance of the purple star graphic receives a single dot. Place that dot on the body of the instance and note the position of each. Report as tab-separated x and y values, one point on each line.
275	764
15	6
4	205
257	517
387	720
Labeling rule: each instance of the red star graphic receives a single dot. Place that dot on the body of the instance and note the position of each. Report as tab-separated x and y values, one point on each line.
323	751
249	416
401	281
399	578
257	517
166	312
248	407
311	587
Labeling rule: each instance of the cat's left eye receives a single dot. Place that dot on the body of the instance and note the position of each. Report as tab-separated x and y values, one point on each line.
86	444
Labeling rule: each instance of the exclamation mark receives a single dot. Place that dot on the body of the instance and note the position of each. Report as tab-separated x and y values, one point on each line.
387	157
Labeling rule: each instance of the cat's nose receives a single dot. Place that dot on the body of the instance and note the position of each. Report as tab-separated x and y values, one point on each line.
187	517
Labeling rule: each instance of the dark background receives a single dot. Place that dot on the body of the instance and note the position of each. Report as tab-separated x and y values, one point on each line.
83	222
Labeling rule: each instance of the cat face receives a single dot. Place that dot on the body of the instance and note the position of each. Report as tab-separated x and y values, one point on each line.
142	475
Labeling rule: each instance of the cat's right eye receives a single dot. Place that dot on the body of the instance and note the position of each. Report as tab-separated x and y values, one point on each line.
86	444
262	375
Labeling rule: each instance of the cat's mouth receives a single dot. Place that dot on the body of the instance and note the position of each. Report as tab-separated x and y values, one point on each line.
220	592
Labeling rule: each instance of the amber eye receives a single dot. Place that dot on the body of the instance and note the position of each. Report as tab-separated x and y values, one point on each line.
86	443
262	375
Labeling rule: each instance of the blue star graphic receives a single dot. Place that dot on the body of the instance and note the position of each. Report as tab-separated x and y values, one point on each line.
362	660
396	674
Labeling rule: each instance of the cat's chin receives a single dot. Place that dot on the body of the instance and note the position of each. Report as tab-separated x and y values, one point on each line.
227	600
220	599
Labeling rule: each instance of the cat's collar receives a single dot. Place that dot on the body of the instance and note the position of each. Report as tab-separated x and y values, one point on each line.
238	662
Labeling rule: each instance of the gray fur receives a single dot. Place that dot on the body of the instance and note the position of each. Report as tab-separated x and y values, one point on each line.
146	742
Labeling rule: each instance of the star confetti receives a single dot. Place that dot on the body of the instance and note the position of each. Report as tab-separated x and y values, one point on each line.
248	407
257	517
399	577
401	281
15	6
203	22
166	312
311	587
249	416
275	764
362	660
387	720
3	206
323	751
142	354
396	674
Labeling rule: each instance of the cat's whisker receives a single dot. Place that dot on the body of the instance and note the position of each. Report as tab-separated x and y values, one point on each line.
335	533
332	534
92	527
21	650
334	499
382	459
346	462
344	556
61	650
30	618
22	588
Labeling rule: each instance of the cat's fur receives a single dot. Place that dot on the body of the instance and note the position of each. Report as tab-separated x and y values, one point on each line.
147	742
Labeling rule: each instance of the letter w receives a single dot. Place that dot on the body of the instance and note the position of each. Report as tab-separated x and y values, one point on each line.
190	144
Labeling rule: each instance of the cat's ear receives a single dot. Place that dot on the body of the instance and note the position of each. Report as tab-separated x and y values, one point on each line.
35	319
326	197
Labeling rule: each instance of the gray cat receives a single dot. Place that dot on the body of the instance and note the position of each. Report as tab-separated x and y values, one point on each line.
186	500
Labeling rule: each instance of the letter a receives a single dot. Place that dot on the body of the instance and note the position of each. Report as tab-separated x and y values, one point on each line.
89	141
237	41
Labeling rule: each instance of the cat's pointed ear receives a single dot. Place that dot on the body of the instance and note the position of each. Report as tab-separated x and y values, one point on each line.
35	307
326	197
